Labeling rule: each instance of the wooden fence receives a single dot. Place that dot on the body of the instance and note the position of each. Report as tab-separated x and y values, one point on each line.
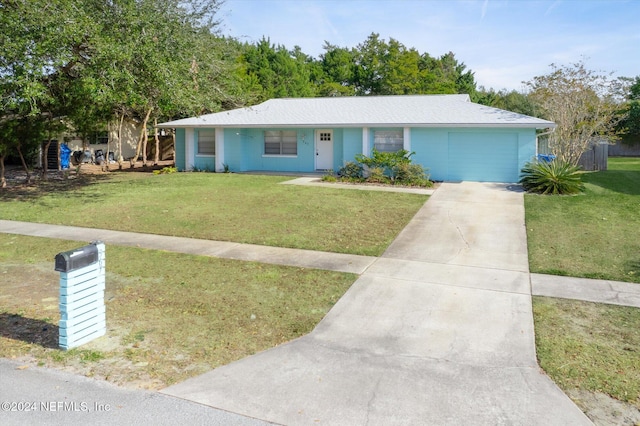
595	158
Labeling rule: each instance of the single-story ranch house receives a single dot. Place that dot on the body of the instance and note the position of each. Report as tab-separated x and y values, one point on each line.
452	137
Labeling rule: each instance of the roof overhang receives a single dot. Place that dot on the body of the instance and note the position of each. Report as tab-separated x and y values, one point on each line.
358	125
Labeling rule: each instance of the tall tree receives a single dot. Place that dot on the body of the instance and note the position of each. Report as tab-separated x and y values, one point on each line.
630	122
337	66
279	72
582	104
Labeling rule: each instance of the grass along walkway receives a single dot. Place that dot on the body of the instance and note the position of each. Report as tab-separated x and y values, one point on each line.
594	235
169	316
590	347
226	207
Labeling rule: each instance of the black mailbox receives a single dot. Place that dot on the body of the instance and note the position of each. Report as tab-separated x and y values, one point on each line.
75	259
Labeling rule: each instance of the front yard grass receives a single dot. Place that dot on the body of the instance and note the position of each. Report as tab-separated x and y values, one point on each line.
594	235
590	346
169	316
225	207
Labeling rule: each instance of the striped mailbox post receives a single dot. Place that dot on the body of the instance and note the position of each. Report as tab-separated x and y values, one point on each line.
82	283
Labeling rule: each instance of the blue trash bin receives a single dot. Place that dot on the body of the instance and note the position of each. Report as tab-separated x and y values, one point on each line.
546	158
65	156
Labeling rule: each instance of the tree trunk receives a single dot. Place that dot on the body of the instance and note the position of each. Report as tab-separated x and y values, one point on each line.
142	140
120	159
105	165
173	142
157	137
3	181
24	164
45	158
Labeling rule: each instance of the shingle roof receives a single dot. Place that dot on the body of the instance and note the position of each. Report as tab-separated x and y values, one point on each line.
368	111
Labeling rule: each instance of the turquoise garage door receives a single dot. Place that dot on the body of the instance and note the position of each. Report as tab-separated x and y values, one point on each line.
483	157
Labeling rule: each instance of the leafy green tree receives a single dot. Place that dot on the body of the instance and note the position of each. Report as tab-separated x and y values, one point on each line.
509	100
337	69
279	72
630	122
582	104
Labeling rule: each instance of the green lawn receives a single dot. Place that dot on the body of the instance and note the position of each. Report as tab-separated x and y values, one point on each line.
169	316
226	207
590	346
593	235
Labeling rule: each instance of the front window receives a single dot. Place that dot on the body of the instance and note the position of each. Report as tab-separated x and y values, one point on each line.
388	140
99	138
280	142
206	142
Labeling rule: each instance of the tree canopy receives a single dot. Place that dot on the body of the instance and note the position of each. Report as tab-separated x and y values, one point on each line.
82	64
581	102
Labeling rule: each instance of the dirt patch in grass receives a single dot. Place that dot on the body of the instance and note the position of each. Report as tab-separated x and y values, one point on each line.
169	316
591	350
604	410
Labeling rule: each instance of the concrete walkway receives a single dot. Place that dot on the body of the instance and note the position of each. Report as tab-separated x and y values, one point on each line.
229	250
439	330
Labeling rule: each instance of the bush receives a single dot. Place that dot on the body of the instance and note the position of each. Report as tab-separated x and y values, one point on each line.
555	177
351	170
376	175
329	177
387	161
165	170
411	174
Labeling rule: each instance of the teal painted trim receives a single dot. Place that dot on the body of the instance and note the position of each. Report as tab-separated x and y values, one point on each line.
179	148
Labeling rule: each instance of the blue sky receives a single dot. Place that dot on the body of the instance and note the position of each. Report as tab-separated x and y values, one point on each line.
504	42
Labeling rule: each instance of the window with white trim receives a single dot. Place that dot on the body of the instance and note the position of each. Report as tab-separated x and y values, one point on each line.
280	142
388	140
206	142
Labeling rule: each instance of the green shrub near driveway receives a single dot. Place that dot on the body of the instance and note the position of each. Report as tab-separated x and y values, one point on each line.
551	177
390	168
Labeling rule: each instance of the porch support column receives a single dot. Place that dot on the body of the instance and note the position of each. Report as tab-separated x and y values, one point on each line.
219	149
406	138
365	141
189	149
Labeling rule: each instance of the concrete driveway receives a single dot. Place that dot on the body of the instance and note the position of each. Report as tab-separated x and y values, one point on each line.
439	330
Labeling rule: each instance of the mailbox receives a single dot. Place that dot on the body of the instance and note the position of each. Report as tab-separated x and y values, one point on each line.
75	259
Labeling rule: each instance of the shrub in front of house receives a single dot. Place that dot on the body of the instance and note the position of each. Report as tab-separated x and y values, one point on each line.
412	174
387	168
351	172
554	177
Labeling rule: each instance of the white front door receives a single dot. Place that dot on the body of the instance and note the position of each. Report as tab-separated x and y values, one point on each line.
324	149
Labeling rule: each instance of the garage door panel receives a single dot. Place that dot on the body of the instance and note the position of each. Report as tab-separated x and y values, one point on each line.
484	157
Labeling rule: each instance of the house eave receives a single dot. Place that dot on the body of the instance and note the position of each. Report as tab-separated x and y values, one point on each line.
358	125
